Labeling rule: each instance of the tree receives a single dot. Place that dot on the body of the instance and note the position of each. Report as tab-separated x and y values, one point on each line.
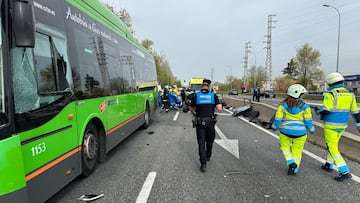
283	83
123	14
252	76
147	43
232	82
257	76
125	17
291	70
304	68
164	74
308	60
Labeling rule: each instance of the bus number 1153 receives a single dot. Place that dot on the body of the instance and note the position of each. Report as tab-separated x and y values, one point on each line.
38	149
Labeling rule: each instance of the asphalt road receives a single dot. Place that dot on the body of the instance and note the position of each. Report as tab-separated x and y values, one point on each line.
161	164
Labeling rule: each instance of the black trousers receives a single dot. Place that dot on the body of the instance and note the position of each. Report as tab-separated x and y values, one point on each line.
205	133
165	104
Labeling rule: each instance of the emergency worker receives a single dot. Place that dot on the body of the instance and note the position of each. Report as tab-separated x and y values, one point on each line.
203	105
175	90
165	100
337	104
293	118
183	95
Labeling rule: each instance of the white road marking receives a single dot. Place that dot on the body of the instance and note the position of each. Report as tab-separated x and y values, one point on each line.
176	116
230	145
145	191
220	133
223	114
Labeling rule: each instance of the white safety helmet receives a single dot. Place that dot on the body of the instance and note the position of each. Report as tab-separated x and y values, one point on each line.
296	90
333	78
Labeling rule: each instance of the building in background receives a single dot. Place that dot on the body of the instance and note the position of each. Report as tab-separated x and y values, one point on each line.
352	83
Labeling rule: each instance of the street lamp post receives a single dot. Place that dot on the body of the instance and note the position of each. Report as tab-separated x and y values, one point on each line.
254	69
231	79
231	76
338	40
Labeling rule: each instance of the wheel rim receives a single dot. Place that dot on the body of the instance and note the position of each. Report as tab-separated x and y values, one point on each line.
90	145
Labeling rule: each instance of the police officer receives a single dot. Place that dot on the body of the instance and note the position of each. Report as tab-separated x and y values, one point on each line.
203	105
254	94
337	105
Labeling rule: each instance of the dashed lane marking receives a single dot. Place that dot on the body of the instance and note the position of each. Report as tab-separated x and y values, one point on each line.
176	116
145	191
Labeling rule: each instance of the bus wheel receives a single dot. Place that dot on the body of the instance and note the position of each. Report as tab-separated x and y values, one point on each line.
146	118
90	150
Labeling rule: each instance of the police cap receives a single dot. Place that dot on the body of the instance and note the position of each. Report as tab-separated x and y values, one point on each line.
206	82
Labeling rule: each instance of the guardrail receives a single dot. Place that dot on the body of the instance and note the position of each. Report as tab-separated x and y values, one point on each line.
349	144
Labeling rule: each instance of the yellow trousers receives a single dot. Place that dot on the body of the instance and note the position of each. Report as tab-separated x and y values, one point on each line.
292	148
332	139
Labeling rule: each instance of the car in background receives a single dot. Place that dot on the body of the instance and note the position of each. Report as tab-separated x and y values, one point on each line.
233	92
221	99
316	92
269	94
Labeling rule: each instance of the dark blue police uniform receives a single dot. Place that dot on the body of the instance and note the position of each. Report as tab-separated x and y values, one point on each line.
205	103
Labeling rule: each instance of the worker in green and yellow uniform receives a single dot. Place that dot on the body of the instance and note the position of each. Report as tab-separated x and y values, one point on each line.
337	105
293	118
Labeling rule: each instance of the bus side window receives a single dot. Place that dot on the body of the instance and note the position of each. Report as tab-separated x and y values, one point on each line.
64	69
44	64
53	75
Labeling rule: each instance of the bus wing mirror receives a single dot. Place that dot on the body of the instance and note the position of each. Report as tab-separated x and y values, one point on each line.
24	23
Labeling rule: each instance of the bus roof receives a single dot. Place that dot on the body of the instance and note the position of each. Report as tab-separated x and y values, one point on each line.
196	80
100	12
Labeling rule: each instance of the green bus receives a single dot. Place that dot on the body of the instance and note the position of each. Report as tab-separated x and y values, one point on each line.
74	83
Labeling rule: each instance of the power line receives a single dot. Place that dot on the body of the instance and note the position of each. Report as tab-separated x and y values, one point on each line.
268	63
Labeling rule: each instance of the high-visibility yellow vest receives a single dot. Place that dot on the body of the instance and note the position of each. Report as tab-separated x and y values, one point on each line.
294	121
339	102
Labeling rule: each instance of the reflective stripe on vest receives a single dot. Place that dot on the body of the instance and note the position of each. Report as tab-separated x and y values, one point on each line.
293	124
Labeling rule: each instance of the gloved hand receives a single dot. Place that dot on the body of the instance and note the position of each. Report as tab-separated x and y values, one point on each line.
317	110
312	131
273	127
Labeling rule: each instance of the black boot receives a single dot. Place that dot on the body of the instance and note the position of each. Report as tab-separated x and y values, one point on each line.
208	155
326	167
291	170
343	176
208	158
203	167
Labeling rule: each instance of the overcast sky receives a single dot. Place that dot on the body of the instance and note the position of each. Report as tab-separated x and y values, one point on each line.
197	36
